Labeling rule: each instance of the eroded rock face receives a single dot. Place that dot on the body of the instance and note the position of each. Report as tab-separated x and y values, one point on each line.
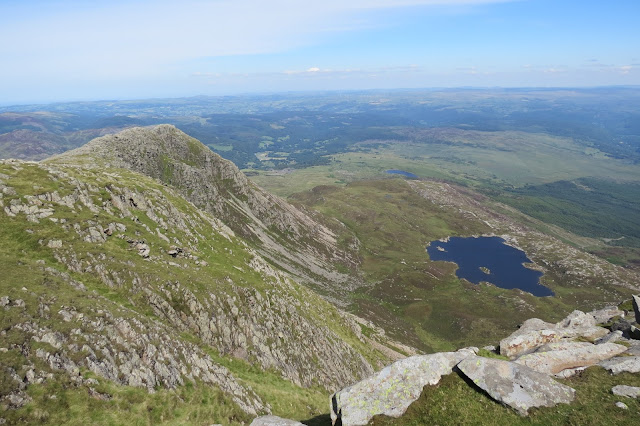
113	230
553	358
515	385
394	388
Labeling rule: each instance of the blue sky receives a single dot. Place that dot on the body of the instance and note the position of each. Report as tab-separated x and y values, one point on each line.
58	50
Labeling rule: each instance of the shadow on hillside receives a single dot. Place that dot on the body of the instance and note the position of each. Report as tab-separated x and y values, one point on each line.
321	420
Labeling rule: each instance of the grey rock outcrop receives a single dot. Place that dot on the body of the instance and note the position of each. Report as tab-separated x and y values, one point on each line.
606	314
274	421
391	390
553	358
515	385
628	391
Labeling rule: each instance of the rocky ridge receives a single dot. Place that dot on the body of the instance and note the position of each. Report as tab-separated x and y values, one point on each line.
285	235
111	273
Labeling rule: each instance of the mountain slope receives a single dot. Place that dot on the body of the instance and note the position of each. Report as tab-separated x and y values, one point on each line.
285	235
114	281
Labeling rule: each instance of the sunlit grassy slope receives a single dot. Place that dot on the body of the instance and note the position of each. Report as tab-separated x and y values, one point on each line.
505	158
423	302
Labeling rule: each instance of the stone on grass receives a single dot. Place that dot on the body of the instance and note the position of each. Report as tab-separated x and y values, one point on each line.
391	390
274	421
628	391
515	385
622	405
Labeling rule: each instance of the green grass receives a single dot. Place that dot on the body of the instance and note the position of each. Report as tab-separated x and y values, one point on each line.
286	399
60	401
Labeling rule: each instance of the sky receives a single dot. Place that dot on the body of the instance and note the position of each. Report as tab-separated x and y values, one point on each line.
64	50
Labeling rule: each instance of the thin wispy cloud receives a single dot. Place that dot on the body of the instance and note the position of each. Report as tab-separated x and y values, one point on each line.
125	37
56	49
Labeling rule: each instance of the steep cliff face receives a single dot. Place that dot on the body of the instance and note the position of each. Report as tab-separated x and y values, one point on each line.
113	276
285	235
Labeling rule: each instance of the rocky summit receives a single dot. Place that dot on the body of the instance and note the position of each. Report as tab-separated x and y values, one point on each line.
285	235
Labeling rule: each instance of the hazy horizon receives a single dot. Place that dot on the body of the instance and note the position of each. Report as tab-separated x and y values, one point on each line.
72	50
312	92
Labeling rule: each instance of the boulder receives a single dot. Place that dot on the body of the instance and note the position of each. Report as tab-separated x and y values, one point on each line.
628	391
636	307
534	333
553	358
629	364
515	385
621	325
274	421
391	390
607	314
622	405
577	319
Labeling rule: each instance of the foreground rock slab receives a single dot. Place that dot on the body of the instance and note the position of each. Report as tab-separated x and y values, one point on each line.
553	358
274	421
534	332
515	385
394	388
606	314
628	364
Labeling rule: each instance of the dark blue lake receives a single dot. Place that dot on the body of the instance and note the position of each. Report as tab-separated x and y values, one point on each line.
489	259
403	173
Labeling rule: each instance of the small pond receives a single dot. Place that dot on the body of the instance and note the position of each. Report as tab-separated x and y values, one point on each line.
403	173
489	259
